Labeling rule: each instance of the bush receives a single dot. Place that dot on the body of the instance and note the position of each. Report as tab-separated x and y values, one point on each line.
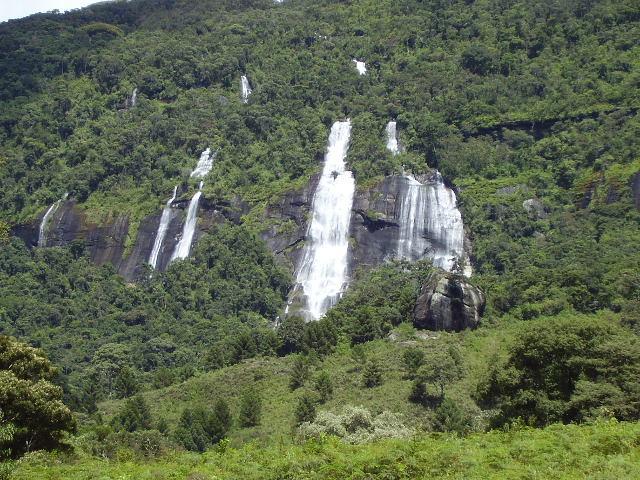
306	408
134	415
372	374
323	386
250	408
566	369
355	425
299	372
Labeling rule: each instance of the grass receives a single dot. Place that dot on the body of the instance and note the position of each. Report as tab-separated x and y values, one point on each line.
604	450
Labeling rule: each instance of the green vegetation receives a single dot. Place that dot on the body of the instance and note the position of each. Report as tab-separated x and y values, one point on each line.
32	415
604	450
529	108
110	337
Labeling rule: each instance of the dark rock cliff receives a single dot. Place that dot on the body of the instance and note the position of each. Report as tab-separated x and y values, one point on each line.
106	242
448	302
374	228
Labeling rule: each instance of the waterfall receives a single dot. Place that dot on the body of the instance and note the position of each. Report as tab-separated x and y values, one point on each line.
246	88
184	245
134	97
430	223
44	223
205	164
322	274
392	138
361	67
162	229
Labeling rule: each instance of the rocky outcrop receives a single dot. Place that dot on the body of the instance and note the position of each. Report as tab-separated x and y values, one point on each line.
108	241
376	221
286	223
448	302
535	208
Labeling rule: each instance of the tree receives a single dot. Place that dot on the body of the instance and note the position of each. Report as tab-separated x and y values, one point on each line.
440	367
566	369
198	427
450	417
299	372
477	59
223	419
191	432
134	415
323	386
306	408
29	402
250	408
126	383
290	333
412	360
372	374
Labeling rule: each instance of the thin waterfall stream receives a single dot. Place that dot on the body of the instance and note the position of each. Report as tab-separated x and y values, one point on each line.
162	229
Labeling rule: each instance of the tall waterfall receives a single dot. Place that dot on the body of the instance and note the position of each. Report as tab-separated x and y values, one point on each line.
361	67
44	223
184	245
162	229
205	164
392	138
246	88
430	223
322	275
134	97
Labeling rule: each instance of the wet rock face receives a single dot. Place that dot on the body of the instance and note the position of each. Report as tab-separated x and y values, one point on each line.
287	223
107	242
375	223
448	302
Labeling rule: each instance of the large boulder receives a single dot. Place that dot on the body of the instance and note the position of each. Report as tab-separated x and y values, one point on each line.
448	302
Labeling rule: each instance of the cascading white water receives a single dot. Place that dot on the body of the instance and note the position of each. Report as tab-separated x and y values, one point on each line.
205	164
42	232
430	223
246	88
44	223
134	97
361	67
392	138
162	230
322	275
184	245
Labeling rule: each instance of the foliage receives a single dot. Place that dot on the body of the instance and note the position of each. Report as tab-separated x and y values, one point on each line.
355	425
299	372
378	301
134	415
439	368
567	369
31	405
306	408
250	408
372	374
199	428
412	359
106	334
323	386
604	449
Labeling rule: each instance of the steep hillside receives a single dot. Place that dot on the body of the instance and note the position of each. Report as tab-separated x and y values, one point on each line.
186	182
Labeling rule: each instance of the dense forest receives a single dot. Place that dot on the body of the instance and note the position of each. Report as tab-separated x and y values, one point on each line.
529	110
